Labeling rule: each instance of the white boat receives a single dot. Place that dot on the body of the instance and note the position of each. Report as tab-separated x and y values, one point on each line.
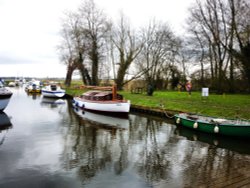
11	84
5	96
102	101
53	90
103	121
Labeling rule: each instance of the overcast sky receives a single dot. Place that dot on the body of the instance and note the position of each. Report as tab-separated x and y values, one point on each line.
29	31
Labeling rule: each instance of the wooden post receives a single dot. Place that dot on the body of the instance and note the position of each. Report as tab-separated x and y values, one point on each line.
114	92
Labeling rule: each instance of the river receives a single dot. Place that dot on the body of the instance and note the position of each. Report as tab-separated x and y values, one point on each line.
47	143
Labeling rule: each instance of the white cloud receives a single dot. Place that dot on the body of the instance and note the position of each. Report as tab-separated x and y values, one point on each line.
30	29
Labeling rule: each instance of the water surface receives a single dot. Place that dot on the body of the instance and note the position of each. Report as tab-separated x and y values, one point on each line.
47	143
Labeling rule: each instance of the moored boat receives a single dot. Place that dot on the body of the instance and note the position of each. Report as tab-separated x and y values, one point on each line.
11	84
102	99
5	124
53	90
5	96
228	127
33	87
4	121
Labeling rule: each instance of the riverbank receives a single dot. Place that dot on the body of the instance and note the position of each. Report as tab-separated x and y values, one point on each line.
168	103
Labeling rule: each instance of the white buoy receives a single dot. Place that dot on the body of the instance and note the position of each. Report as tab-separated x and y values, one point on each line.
178	120
216	129
195	126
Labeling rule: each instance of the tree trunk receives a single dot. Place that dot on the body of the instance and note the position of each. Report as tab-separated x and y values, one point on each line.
245	54
231	76
120	77
69	76
85	74
95	62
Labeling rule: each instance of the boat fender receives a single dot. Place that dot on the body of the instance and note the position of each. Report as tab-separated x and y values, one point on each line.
195	126
216	129
77	104
178	120
73	101
83	106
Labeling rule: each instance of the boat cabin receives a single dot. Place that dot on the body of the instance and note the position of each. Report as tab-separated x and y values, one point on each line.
53	87
100	96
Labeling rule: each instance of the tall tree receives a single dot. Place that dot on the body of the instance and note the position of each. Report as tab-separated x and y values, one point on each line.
209	21
128	47
94	26
72	47
159	47
240	28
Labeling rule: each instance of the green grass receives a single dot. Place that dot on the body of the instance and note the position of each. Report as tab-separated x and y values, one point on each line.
227	106
230	106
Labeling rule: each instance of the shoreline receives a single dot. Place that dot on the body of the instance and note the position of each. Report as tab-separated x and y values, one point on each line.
154	111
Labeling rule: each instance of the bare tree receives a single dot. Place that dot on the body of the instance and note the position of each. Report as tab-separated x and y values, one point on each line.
94	26
128	47
240	29
209	21
197	46
158	51
72	48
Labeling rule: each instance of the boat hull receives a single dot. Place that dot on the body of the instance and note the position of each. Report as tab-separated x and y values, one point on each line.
34	90
236	130
54	94
4	121
4	100
102	106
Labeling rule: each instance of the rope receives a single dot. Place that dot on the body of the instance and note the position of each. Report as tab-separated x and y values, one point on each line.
166	114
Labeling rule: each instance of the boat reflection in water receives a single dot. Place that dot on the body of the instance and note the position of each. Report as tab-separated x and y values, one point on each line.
103	121
52	102
5	124
34	95
226	142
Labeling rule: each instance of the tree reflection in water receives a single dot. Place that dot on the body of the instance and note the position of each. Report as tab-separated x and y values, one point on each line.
150	149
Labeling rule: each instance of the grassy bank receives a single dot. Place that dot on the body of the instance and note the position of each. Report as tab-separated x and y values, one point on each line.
228	106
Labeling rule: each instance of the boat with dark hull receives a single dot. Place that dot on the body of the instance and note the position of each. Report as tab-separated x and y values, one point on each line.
5	124
227	127
5	96
4	121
